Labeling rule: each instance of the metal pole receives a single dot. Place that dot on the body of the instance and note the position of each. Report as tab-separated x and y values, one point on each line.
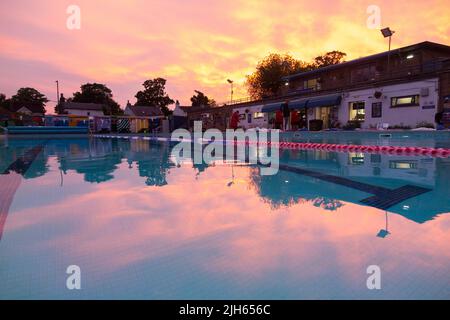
57	91
389	56
231	93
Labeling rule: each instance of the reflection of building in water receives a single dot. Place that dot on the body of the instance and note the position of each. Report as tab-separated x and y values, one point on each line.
392	183
419	170
93	158
286	189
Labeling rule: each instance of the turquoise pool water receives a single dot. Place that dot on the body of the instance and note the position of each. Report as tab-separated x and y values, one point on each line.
141	227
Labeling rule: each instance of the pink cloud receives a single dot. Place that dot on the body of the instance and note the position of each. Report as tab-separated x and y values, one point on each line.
194	44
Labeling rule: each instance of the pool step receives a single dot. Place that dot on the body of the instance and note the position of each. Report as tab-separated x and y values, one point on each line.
383	198
22	163
394	197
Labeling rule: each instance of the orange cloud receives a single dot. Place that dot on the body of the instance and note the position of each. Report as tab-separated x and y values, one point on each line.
194	44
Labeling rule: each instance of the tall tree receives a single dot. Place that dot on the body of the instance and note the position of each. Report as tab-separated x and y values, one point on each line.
329	58
266	80
154	94
29	97
200	99
97	93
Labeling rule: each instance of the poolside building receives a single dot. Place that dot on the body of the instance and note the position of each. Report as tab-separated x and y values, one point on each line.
142	111
403	88
85	109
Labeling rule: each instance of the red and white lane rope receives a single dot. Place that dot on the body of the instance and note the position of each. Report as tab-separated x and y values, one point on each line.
433	152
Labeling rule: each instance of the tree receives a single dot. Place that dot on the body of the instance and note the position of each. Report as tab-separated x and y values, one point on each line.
154	94
97	93
29	97
267	79
329	58
4	103
199	99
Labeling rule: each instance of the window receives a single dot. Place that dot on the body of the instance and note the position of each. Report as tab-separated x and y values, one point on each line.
355	158
258	115
403	164
311	84
357	111
376	109
375	158
405	101
364	73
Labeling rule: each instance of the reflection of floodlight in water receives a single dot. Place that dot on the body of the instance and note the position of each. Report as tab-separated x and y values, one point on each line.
229	184
383	233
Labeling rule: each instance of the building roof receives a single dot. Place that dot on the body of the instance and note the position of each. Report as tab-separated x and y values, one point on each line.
84	106
421	45
32	108
145	111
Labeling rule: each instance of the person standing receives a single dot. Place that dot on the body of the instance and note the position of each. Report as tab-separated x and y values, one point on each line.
295	120
234	120
286	112
278	119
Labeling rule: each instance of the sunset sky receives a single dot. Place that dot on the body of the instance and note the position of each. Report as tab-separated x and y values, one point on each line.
194	44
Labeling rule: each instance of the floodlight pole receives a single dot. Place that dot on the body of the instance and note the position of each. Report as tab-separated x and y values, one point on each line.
57	92
231	93
389	55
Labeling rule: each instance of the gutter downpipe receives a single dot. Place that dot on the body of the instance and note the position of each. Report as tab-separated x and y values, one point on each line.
306	114
6	135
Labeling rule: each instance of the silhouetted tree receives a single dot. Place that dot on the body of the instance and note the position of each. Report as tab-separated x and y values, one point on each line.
29	97
4	103
97	93
266	80
154	94
200	99
329	58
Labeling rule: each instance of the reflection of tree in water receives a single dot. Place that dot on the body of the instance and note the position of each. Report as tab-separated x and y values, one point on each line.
95	168
283	189
154	164
327	204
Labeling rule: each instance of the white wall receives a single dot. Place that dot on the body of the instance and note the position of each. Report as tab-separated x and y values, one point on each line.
128	112
408	116
84	112
260	123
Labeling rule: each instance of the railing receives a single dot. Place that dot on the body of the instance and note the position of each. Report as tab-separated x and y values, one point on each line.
393	74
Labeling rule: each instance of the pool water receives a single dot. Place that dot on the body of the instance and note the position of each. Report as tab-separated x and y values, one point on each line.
141	227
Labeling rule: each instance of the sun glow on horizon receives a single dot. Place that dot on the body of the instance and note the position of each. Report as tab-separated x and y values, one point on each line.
195	45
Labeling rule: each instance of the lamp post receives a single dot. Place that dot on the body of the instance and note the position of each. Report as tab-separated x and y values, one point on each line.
231	93
57	91
387	33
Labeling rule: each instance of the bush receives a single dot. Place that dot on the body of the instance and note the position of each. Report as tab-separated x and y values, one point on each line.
400	127
424	124
352	125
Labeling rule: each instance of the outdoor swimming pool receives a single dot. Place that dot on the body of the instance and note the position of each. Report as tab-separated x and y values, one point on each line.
141	227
